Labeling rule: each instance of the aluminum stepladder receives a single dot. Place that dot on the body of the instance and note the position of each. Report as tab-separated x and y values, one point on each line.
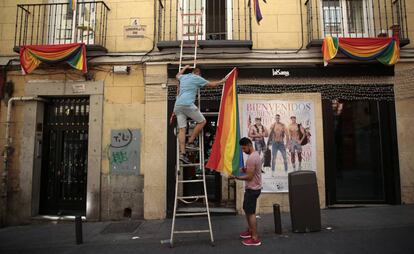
179	165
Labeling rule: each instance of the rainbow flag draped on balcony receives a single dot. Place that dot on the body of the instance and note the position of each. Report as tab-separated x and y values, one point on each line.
74	54
385	50
226	155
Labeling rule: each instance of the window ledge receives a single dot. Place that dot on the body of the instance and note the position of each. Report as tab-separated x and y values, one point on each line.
208	44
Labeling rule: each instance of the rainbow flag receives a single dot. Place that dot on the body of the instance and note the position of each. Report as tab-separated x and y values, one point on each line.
226	155
384	50
257	11
74	54
72	5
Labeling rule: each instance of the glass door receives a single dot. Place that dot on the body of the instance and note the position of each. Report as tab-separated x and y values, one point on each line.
347	18
62	26
86	21
60	22
185	26
361	157
359	171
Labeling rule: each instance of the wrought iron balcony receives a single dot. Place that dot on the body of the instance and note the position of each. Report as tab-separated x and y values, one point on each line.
224	23
56	23
355	18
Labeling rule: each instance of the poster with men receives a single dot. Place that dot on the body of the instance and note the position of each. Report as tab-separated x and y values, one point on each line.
283	132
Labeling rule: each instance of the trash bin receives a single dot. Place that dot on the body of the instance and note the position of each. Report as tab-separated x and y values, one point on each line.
305	212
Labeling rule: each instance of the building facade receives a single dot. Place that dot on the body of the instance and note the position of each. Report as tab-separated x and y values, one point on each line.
100	144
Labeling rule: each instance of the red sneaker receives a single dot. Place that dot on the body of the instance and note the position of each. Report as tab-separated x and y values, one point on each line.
245	235
251	242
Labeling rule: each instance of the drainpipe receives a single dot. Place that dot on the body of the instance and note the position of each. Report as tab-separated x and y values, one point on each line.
8	148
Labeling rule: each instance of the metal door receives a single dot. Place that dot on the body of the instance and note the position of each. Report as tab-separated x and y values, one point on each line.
64	163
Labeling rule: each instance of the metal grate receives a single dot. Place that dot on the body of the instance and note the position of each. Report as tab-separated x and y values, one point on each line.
65	158
53	23
355	18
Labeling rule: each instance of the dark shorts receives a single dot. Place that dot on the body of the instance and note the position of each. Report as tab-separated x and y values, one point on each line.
250	200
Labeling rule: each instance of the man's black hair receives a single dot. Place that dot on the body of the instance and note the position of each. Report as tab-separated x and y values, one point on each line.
245	142
196	69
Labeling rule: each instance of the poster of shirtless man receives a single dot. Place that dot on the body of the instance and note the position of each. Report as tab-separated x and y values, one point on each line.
285	135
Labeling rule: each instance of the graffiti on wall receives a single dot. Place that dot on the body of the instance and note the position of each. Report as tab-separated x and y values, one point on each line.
124	151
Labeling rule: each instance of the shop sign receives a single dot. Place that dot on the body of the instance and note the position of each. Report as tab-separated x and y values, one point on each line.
279	72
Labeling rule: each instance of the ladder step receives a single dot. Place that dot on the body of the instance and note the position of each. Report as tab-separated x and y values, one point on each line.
191	231
190	214
191	197
190	165
191	181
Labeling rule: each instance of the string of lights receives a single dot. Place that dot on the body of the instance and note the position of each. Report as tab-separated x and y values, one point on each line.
377	92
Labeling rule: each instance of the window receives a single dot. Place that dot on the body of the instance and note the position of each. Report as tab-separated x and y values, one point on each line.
61	22
347	18
215	22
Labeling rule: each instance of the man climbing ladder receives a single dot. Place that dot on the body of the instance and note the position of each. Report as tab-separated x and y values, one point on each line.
185	108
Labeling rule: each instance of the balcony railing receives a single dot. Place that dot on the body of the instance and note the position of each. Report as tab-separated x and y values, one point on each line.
54	23
355	18
223	23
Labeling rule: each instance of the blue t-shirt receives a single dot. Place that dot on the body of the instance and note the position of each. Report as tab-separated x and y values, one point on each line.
189	84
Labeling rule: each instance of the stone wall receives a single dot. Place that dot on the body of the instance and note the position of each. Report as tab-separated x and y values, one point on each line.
404	104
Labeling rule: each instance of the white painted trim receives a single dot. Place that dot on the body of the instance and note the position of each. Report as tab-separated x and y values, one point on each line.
229	15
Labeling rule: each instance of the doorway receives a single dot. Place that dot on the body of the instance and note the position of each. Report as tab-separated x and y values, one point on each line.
220	191
361	152
65	156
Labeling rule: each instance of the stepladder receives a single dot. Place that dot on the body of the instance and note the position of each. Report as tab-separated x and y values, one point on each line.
190	33
191	205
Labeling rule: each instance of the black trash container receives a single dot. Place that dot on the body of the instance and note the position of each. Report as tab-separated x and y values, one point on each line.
305	212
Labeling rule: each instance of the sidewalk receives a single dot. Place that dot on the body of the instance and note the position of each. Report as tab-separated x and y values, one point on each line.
385	229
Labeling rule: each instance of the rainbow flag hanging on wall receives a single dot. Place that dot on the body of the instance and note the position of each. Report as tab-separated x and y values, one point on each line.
74	54
257	11
385	50
226	155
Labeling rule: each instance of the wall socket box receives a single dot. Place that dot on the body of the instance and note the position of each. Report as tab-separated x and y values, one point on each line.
122	69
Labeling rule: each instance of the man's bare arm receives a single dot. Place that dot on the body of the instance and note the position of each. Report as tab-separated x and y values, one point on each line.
251	133
216	83
248	176
303	133
181	72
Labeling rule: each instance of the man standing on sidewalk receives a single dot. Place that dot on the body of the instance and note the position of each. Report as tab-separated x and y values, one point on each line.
184	107
253	185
